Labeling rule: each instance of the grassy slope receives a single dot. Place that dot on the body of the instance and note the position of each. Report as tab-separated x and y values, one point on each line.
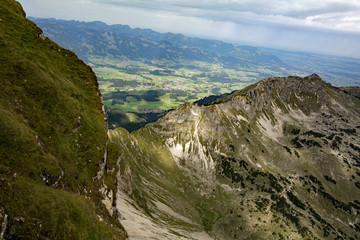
51	136
148	174
266	187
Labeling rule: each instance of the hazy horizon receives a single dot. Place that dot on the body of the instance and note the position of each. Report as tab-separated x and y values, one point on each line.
327	27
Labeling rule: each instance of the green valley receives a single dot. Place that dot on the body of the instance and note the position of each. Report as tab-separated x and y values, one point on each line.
143	88
138	88
143	73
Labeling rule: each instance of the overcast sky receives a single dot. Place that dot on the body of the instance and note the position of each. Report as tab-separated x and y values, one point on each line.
325	26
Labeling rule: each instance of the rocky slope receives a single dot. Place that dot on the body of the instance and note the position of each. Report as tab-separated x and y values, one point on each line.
277	160
354	91
52	138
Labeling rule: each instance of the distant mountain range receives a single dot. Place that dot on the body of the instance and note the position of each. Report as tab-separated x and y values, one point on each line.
340	71
98	38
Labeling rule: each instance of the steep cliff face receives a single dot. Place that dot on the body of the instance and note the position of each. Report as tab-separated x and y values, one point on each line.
52	138
261	114
277	160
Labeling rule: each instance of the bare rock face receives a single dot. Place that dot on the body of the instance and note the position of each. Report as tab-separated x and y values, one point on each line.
354	91
3	221
278	159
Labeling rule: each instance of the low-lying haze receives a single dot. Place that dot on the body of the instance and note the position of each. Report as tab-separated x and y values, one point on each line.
327	26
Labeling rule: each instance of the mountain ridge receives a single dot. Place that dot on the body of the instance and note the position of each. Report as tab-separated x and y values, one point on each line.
226	52
266	151
337	70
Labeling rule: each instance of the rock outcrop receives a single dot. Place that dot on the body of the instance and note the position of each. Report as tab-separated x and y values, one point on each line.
276	160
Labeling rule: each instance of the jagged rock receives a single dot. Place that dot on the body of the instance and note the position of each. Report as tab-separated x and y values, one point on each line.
226	165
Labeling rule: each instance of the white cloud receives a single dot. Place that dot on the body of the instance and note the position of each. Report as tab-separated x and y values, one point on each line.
327	14
338	21
331	26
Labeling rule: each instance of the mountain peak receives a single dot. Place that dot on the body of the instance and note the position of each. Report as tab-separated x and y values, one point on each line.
293	82
291	140
276	85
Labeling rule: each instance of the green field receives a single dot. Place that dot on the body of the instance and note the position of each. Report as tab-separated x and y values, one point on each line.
154	87
143	73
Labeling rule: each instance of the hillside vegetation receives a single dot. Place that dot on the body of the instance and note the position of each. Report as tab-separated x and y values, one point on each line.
52	138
